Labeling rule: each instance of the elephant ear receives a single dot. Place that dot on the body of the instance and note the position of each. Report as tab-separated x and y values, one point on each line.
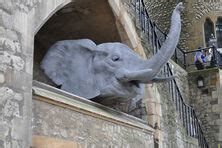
69	64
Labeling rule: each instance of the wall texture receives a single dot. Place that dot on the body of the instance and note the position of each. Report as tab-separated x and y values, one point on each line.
15	73
207	102
172	133
194	16
88	131
19	22
17	27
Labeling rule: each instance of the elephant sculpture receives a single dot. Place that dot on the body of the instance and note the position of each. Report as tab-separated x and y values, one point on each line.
107	70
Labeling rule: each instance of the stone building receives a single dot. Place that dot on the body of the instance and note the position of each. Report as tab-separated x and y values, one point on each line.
201	18
34	113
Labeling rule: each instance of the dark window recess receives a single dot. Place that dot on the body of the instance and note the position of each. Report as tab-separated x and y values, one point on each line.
208	30
219	32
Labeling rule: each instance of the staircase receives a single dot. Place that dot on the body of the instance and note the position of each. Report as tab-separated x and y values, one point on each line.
155	38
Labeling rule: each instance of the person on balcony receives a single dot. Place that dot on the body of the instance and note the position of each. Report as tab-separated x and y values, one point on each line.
200	59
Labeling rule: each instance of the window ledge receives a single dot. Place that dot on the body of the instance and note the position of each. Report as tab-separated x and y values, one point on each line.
49	94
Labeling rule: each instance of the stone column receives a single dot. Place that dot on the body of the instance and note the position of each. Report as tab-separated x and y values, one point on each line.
16	43
153	105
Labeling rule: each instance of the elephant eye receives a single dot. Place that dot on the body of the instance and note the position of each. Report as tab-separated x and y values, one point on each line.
115	58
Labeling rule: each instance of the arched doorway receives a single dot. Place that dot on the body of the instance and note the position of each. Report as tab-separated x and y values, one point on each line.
80	19
208	30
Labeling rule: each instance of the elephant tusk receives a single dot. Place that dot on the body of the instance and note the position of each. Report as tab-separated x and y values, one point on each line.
142	76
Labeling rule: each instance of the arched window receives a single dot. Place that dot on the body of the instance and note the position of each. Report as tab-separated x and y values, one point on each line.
208	30
219	32
77	20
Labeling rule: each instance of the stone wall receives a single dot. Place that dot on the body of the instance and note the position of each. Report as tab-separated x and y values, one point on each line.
172	133
160	108
205	100
17	27
19	22
15	73
207	103
193	18
162	113
181	79
55	122
57	114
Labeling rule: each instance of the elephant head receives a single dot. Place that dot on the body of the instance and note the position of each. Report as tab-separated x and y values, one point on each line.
108	70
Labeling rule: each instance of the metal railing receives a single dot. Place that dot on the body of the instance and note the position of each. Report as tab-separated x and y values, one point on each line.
188	61
153	34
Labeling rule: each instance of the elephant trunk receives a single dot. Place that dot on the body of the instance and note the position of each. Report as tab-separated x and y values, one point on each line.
150	68
168	47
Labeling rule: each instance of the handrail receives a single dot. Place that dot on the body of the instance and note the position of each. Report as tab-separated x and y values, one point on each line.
186	113
211	61
196	50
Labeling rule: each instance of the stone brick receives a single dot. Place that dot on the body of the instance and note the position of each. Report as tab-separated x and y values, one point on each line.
220	101
5	57
15	144
18	63
1	143
11	108
68	124
18	97
214	101
6	19
18	79
18	47
9	46
2	78
219	121
4	131
18	126
5	94
217	108
29	65
214	94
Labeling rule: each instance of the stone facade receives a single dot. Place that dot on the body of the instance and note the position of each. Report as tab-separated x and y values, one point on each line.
15	73
181	79
207	102
19	22
88	131
161	109
204	100
194	16
171	131
16	54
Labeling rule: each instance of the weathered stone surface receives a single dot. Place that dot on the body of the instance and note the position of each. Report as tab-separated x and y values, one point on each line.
206	103
54	121
17	63
5	57
5	94
11	108
194	17
4	131
17	128
2	77
18	97
9	46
